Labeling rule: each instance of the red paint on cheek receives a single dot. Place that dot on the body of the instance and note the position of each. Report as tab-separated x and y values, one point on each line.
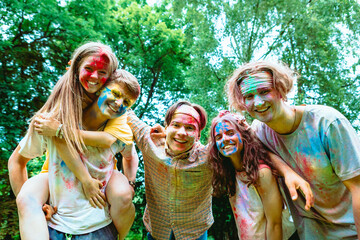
83	78
103	80
84	83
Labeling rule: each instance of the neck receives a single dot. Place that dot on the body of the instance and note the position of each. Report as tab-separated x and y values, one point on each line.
93	119
285	122
236	160
92	96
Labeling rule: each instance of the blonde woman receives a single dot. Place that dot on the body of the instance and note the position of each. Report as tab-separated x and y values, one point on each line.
91	67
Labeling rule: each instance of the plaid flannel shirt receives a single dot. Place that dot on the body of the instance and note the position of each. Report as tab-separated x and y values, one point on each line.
178	189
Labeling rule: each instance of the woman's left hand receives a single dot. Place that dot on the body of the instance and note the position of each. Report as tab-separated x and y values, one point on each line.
46	125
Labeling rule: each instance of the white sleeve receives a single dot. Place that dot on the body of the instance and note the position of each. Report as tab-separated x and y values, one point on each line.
32	145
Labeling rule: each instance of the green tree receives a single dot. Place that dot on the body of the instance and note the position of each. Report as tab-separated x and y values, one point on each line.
37	40
316	38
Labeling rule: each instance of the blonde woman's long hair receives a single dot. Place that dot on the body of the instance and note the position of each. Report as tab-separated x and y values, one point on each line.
65	102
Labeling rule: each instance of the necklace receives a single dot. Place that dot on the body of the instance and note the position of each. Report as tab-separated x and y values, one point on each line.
294	123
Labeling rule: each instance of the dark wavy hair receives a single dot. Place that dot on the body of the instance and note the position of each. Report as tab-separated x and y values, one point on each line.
252	154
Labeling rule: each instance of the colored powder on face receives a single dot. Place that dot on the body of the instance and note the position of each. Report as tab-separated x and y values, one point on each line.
221	129
190	111
252	83
122	110
100	61
83	80
103	80
105	94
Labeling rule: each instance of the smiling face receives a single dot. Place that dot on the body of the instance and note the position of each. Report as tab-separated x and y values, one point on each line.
261	100
182	133
228	139
94	72
114	100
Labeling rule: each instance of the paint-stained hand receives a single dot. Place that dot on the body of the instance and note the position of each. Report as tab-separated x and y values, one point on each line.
49	211
157	134
92	191
294	182
46	125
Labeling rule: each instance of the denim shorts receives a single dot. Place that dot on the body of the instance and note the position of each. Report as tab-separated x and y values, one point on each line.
172	237
106	233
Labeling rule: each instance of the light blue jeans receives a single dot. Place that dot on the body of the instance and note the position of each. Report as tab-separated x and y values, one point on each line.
106	233
172	237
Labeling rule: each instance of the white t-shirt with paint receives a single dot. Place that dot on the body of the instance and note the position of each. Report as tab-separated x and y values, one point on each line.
249	213
75	215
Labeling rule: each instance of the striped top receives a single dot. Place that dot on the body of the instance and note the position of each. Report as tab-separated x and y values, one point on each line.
178	189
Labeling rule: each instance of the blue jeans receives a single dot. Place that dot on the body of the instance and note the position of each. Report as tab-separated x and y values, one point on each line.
172	237
106	233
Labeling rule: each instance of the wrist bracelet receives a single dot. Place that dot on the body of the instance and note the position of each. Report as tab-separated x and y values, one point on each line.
59	132
133	184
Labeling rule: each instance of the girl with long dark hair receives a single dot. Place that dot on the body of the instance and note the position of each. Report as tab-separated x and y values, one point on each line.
242	170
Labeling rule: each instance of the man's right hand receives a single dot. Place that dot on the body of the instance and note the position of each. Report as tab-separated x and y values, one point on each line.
157	135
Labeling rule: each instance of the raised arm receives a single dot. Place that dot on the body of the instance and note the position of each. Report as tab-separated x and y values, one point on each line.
140	129
293	181
272	202
17	170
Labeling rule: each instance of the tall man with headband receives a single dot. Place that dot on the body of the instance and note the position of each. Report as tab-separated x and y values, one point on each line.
315	141
177	177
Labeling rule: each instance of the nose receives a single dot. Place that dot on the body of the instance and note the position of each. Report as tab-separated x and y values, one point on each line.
226	138
182	131
119	102
94	74
258	101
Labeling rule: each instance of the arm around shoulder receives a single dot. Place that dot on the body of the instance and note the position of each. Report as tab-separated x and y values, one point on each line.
97	138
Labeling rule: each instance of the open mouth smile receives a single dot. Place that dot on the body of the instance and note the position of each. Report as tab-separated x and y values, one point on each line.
112	108
179	141
262	110
227	147
92	83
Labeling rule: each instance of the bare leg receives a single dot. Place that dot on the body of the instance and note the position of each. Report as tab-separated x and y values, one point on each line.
122	210
33	194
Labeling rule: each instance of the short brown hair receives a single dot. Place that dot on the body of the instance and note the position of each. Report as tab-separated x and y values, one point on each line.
282	79
129	80
171	111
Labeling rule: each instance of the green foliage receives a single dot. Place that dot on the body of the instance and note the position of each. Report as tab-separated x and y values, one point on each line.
317	38
177	49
